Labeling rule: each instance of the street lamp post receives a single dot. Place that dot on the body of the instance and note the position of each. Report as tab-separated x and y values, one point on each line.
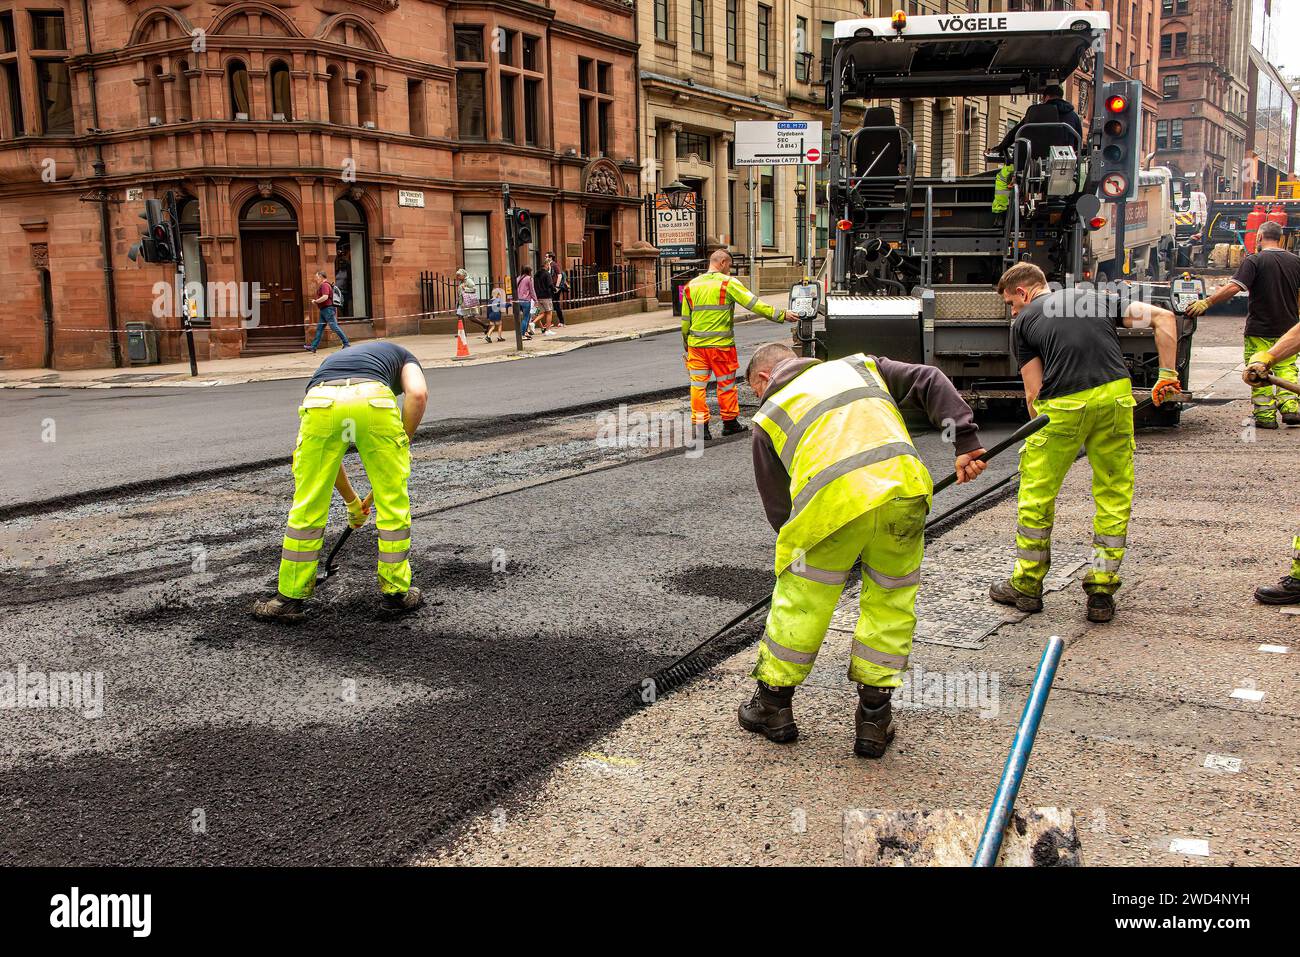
801	222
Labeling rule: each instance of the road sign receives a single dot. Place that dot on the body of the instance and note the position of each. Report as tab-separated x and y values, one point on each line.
784	143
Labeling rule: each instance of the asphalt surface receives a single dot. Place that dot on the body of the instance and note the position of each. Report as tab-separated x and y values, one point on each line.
69	442
355	739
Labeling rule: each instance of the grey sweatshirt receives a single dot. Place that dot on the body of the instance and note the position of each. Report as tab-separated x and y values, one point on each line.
912	386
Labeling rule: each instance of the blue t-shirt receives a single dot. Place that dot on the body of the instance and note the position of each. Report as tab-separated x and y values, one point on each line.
375	361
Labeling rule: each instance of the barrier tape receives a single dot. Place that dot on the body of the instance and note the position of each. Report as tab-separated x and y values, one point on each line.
311	324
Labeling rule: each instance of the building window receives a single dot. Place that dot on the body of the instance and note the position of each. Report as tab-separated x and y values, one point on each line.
603	110
584	124
530	55
1176	134
697	25
471	84
1167	45
240	90
532	106
1170	84
505	46
733	31
1180	44
351	268
800	48
476	246
764	26
595	106
365	100
1162	134
53	82
48	32
183	104
415	107
602	77
281	92
334	93
156	100
767	207
828	49
698	143
661	20
509	126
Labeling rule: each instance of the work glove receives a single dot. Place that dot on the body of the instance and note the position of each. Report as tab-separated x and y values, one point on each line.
358	511
1258	368
1197	307
1166	386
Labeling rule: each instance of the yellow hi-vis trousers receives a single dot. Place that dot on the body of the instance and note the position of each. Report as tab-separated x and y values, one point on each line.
333	418
1101	421
890	541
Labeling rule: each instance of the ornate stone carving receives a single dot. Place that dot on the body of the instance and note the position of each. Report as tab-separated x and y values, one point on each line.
603	180
41	255
264	188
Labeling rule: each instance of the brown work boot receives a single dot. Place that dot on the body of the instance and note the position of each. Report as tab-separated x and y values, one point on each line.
279	608
1285	592
1101	607
769	713
1265	423
874	721
400	604
1291	418
1005	593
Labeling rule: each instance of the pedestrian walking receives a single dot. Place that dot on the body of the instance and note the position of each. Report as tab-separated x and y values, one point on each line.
352	400
495	314
1067	345
1271	277
467	302
524	300
842	483
544	297
709	340
560	283
328	312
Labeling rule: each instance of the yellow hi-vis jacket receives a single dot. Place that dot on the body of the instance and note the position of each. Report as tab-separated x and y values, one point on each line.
841	437
708	304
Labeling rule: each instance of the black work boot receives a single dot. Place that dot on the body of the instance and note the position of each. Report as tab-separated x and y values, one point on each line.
1285	592
875	722
1101	607
702	431
1291	418
400	604
769	713
1266	423
279	609
1005	593
733	427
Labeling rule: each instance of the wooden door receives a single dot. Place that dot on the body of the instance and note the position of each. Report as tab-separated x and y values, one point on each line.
271	260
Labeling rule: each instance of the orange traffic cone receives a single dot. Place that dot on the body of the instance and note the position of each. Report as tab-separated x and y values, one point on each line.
462	344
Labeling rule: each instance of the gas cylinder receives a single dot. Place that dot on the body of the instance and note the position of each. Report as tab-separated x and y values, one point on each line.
1253	222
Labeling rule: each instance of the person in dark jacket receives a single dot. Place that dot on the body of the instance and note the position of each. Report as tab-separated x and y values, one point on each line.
544	291
1055	95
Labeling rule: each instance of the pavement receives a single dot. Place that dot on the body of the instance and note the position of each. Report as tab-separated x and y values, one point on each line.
1170	732
69	444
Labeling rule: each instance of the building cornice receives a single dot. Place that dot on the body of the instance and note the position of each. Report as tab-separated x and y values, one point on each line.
670	86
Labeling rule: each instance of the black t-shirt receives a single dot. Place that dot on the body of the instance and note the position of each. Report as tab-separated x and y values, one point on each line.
1075	332
1272	277
375	361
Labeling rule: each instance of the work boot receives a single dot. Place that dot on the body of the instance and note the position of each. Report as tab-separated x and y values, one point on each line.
1101	607
1266	423
400	604
1285	592
769	713
1005	593
279	608
702	431
733	427
1291	418
875	722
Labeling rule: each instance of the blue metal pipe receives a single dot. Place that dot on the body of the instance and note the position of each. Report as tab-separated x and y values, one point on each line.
986	854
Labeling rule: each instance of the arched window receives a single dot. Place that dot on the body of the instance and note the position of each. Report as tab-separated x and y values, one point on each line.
241	91
157	101
351	272
183	104
334	93
281	92
365	100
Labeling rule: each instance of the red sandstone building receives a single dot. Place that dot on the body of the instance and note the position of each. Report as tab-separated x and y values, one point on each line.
369	139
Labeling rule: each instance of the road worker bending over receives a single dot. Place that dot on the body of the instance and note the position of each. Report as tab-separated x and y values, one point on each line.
352	399
708	306
1070	358
841	482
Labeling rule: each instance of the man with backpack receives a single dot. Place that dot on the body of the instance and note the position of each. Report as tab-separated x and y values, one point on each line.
560	282
328	299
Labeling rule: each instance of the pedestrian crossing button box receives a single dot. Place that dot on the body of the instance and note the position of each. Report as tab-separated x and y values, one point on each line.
1183	292
805	299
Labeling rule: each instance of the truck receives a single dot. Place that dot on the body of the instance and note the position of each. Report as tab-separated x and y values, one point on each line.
914	260
1150	233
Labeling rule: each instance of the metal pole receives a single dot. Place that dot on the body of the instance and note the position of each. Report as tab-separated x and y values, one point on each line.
1121	221
512	262
753	231
183	299
810	227
986	854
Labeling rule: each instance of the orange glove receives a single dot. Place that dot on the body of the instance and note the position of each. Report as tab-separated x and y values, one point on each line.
1166	387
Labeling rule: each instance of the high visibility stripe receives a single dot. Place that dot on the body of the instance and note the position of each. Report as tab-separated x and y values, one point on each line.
724	389
795	435
788	654
1039	534
1030	555
289	555
752	299
305	534
394	534
728	333
1109	541
1106	564
722	292
893	581
826	476
394	556
885	660
824	576
780	418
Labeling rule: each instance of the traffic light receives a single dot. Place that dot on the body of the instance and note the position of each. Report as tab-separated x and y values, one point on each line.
522	222
1121	139
160	242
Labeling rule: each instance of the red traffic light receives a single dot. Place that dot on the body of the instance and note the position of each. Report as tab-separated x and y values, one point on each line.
1117	103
